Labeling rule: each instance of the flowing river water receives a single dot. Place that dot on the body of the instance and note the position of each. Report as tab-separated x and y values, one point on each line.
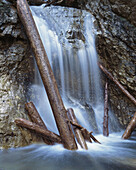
69	38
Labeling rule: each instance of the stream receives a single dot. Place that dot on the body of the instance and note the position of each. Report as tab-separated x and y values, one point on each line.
68	36
112	154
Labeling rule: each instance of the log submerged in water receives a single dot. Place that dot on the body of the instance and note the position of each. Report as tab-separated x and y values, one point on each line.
44	132
130	128
77	131
87	135
35	118
93	138
105	121
83	130
47	76
117	83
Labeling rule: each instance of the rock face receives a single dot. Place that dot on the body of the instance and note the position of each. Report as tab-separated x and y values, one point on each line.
116	38
15	75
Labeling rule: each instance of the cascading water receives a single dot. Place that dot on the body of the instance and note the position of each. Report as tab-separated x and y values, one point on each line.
71	51
70	45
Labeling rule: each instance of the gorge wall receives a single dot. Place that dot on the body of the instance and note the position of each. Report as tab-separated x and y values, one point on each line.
116	47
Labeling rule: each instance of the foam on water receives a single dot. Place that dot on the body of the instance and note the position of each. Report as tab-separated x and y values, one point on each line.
113	153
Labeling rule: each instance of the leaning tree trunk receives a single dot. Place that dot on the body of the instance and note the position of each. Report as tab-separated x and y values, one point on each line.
105	122
86	134
117	83
77	131
35	117
40	130
130	128
47	76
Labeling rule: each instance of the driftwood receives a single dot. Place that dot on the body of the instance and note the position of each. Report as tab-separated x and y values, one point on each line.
44	132
93	138
47	76
130	128
77	131
34	115
105	121
35	118
83	130
118	84
87	135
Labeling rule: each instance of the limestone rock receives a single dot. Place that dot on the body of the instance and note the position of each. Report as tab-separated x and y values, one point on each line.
15	75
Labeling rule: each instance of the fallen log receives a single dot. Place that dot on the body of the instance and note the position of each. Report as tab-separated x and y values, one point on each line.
87	135
105	121
117	83
84	131
93	138
47	76
130	128
77	131
34	115
35	118
44	132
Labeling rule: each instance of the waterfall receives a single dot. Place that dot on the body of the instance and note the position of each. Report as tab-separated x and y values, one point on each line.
69	41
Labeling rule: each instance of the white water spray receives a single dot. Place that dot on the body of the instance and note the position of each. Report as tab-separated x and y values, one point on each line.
70	46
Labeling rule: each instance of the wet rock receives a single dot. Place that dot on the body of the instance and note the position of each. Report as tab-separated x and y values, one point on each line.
8	22
126	9
116	47
91	117
15	75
